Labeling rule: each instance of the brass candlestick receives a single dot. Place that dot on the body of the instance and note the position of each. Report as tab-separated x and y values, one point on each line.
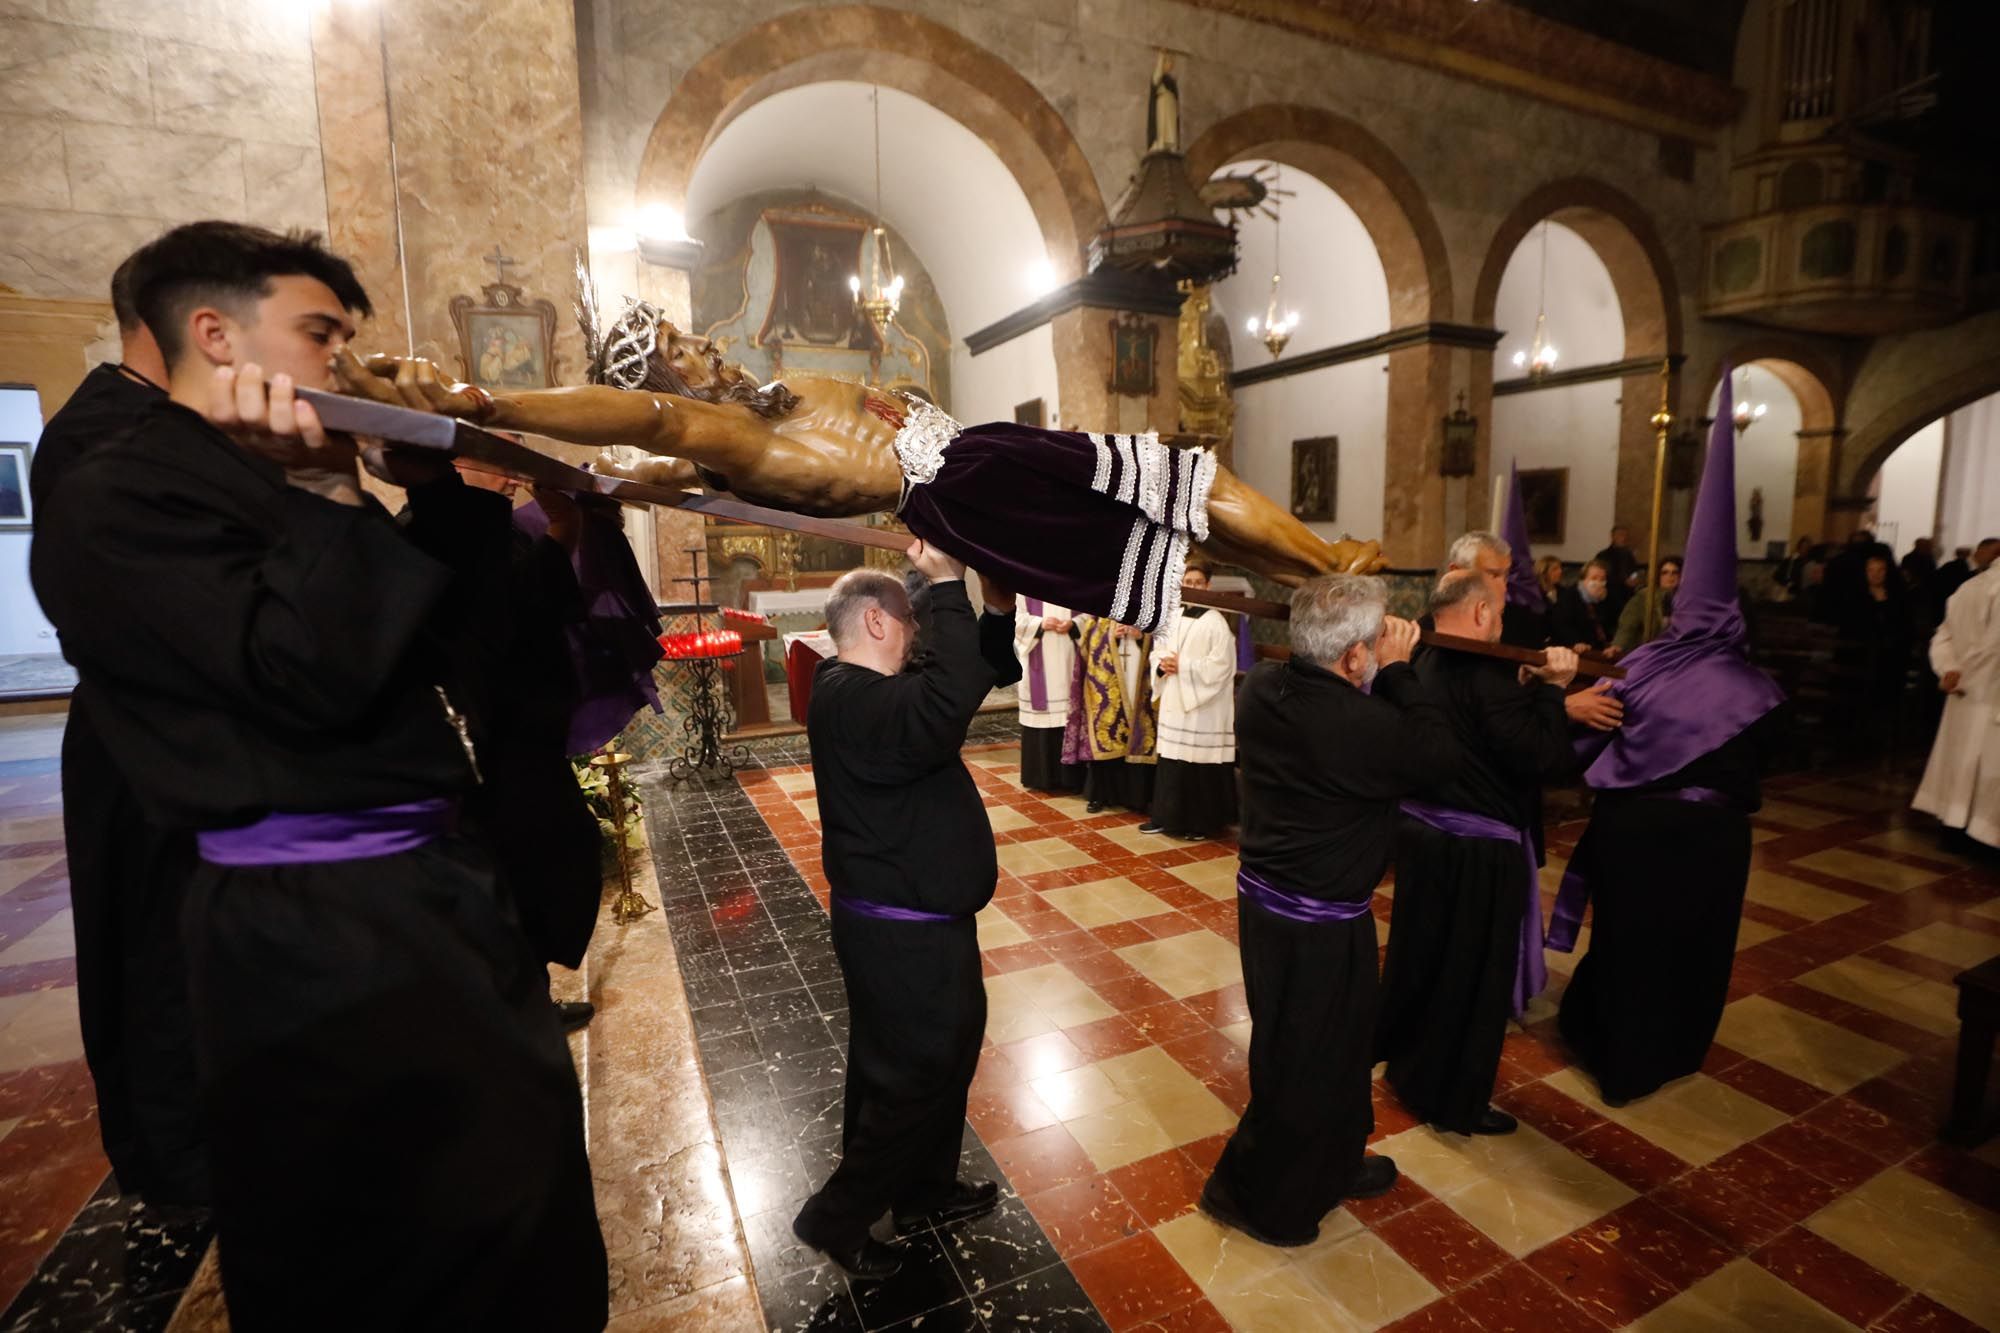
1663	421
630	904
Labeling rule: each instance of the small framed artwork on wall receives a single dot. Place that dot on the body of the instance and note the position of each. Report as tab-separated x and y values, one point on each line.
1545	504
14	502
1031	413
1316	478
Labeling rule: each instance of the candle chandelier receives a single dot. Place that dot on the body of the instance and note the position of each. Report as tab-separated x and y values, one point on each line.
1540	358
1275	329
1747	413
877	299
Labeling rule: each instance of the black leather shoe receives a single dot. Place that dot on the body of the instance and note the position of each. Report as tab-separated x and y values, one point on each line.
1376	1177
1215	1202
1093	807
968	1198
870	1261
1151	827
574	1014
1493	1120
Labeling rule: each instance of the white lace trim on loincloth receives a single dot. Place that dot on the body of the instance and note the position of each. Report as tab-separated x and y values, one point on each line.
920	444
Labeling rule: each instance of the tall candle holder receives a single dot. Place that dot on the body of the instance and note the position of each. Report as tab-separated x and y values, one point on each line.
630	904
701	655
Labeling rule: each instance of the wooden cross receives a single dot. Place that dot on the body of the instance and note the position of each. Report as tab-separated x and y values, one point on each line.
500	264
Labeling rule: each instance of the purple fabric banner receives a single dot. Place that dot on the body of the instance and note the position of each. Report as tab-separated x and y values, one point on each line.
1523	588
1038	670
884	912
1693	689
1246	646
1531	971
320	837
1295	906
1574	895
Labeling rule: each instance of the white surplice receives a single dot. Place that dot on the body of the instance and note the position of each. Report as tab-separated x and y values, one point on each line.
1962	781
1198	702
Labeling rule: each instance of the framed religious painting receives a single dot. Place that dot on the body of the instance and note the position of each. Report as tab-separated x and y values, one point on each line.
1031	413
506	341
1545	504
14	502
1134	341
1316	478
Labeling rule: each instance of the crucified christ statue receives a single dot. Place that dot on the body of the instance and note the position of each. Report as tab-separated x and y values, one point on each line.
1101	523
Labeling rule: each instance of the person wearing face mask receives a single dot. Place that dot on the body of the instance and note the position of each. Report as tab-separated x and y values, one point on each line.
1632	620
1581	618
1329	744
1465	939
909	855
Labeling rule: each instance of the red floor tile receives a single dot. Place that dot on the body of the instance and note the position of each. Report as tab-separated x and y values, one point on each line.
1050	1053
1205	1153
1720	1209
1964	1175
1837	1163
1084	1216
1201	1317
1134	1281
1517	1299
1623	1154
1771	1086
1404	1195
1108	1037
1548	1111
1830	1275
1776	1184
1921	1314
1444	1247
1042	1160
1161	1187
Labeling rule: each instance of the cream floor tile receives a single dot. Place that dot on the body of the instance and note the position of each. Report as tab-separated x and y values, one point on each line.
54	938
1078	1092
1865	869
7	1127
1565	963
1120	1134
39	1028
997	759
793	783
1793	895
18	870
1056	993
1149	1074
1192	1115
1381	932
1758	835
1370	1282
1797	816
1925	1237
1950	944
1238	1033
1215	1256
1742	1298
809	808
1006	819
35	828
1071	807
1104	901
1696	1119
1521	1217
1135	842
1750	932
1215	877
1281	1302
1059	854
1844	797
1914	842
1446	1163
1188	964
1551	873
1991	909
997	930
1890	990
1805	1047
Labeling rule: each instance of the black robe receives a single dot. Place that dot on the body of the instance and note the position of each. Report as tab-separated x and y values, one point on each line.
395	1132
127	879
1575	621
1042	766
1323	767
1120	782
1454	934
904	826
1666	881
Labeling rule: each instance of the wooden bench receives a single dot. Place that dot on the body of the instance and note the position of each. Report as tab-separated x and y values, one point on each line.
1978	1024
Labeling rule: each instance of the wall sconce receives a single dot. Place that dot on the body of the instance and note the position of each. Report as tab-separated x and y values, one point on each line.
1461	441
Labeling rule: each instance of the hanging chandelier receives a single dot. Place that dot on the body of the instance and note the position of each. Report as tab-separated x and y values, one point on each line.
1540	358
878	300
1747	413
1275	329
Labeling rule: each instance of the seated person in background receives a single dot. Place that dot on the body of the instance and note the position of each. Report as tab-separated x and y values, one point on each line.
1549	574
1580	618
1632	621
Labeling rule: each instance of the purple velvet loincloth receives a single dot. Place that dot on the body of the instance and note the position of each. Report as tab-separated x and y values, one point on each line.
1097	523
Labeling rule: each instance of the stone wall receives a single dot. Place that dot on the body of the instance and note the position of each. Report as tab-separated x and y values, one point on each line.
119	120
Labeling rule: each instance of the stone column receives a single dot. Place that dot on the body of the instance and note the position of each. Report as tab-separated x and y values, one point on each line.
1638	446
1084	351
1413	492
1812	489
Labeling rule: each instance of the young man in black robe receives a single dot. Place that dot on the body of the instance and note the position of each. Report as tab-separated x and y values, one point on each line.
127	876
1465	951
394	1126
909	853
1326	755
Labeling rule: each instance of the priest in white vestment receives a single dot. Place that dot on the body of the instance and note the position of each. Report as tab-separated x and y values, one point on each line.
1194	687
1044	641
1962	782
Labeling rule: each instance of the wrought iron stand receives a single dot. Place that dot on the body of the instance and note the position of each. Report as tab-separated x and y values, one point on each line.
704	756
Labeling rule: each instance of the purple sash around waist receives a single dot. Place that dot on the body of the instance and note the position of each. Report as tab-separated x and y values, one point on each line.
884	912
1295	906
1038	673
1531	973
283	839
1574	895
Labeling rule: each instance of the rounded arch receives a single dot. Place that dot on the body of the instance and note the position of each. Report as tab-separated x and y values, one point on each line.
897	50
1623	236
1869	444
1813	381
1369	178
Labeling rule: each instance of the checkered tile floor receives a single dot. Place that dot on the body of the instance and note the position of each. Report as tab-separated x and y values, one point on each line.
1795	1183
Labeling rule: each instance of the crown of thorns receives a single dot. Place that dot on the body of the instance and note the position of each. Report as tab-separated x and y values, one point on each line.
630	343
